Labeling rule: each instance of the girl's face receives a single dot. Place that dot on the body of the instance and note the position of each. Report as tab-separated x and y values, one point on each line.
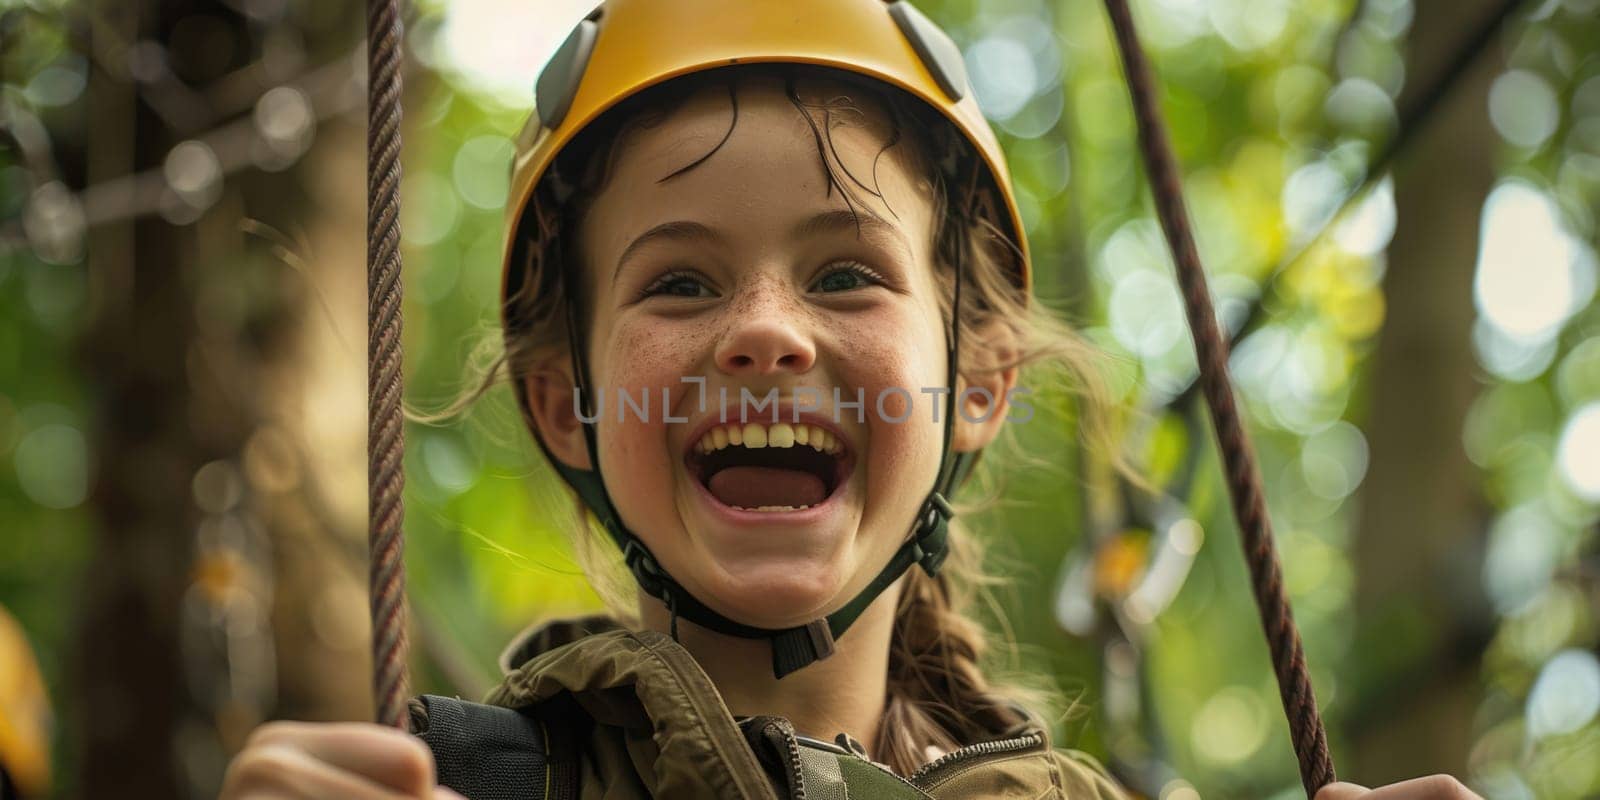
747	273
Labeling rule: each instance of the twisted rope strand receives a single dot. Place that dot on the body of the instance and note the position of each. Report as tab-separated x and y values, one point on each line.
385	436
1243	477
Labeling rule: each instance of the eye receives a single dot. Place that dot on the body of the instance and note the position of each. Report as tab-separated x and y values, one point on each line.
677	284
846	275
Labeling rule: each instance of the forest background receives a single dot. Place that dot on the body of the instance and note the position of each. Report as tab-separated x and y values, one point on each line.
1396	200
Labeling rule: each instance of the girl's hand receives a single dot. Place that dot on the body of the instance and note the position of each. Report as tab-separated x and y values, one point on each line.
355	760
1433	787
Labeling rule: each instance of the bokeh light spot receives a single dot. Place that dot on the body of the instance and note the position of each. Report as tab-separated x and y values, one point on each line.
1566	694
1578	454
1230	727
52	463
1525	282
1523	108
482	171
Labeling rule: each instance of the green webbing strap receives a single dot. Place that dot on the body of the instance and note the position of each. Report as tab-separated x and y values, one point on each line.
866	780
827	773
822	775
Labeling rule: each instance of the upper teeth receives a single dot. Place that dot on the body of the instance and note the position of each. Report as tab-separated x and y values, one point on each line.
777	434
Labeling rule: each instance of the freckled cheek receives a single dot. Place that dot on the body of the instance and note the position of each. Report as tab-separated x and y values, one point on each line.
653	355
645	359
895	367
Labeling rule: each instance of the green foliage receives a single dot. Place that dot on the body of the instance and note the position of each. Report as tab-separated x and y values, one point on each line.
1137	607
45	462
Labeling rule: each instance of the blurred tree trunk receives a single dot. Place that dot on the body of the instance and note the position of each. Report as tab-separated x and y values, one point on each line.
128	662
1419	542
196	304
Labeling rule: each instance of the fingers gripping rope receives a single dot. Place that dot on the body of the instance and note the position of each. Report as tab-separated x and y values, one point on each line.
385	441
1243	477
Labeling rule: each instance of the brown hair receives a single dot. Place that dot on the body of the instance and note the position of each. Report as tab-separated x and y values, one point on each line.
939	694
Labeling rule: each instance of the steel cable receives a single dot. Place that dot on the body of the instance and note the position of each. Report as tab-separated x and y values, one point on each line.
385	434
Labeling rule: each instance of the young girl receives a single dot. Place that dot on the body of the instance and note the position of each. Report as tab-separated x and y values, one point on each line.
766	299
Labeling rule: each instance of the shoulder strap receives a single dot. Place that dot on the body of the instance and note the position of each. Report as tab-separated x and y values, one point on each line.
492	753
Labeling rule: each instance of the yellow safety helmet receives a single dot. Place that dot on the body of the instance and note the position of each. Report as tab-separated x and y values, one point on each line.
626	46
24	713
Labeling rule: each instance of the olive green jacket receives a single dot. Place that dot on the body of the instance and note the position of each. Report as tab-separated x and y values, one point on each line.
649	723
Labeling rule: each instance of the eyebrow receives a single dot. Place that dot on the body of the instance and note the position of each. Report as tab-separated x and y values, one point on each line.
677	230
869	226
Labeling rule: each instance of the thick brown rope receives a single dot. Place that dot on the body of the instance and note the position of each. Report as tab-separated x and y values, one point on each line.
1244	479
385	440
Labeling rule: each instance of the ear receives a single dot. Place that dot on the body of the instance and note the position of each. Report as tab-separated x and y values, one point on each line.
551	391
986	387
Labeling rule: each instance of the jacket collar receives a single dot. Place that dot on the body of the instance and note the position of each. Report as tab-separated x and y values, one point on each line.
542	637
683	741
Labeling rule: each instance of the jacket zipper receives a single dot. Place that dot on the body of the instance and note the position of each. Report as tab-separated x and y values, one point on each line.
925	774
796	768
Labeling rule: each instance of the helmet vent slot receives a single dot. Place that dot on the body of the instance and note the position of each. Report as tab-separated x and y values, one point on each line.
558	83
936	49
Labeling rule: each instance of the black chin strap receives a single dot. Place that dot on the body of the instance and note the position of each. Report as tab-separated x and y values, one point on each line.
792	648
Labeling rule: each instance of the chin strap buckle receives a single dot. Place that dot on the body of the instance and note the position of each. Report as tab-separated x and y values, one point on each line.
932	540
645	569
796	647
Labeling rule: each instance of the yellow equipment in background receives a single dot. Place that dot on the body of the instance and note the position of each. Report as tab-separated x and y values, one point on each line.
25	719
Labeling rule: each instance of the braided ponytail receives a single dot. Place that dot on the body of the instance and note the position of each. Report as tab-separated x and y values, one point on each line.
939	697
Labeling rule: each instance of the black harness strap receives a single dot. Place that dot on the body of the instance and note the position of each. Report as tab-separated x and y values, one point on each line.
492	753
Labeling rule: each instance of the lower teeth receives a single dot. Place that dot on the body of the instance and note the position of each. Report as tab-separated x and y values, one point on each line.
773	508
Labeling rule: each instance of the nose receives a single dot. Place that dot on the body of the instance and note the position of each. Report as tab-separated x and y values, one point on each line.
764	342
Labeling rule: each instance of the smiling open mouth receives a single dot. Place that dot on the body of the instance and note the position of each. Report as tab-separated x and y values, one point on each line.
769	467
